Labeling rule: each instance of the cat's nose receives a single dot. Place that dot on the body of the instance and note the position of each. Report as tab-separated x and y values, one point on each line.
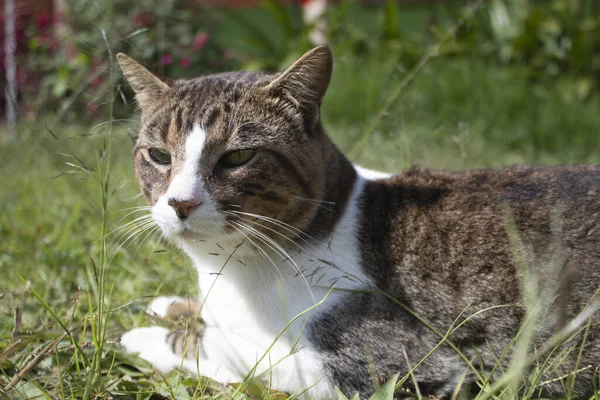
183	208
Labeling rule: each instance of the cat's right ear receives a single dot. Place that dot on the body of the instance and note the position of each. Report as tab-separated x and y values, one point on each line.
147	86
305	82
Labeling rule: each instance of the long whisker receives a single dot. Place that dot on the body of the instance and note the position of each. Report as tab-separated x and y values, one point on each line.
290	228
134	210
315	200
144	227
318	203
134	230
276	247
130	226
255	222
149	234
265	254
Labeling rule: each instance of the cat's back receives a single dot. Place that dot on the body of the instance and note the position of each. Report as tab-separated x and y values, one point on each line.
442	240
521	191
517	183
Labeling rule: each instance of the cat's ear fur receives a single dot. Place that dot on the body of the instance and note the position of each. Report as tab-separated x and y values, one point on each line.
147	86
305	82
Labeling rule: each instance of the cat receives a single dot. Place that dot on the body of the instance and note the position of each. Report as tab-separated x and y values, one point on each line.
317	274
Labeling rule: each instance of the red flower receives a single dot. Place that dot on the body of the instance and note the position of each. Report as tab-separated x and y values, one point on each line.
144	19
96	82
96	61
43	20
185	62
304	2
92	109
200	41
166	59
71	52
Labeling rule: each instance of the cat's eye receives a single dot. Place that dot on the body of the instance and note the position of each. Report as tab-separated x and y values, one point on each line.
236	158
160	156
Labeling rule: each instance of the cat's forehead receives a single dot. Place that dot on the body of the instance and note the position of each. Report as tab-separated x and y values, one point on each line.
227	87
217	103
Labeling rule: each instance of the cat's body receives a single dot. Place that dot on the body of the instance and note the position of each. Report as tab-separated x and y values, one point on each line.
276	220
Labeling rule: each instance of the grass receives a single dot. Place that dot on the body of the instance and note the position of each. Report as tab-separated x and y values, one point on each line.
61	189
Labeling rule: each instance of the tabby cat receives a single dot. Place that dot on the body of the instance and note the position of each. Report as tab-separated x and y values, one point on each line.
316	273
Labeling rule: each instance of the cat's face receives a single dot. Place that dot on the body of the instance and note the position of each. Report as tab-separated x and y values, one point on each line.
228	153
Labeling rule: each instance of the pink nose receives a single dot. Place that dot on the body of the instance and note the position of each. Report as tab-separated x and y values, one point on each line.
183	208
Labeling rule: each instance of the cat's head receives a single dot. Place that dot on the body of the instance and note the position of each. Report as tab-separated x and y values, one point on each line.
219	151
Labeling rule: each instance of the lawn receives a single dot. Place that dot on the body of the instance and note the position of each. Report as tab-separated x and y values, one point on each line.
67	191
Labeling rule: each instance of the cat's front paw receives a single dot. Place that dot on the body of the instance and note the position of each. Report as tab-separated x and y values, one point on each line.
151	344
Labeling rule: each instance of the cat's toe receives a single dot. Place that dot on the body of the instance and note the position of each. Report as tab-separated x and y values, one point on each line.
160	305
151	344
172	307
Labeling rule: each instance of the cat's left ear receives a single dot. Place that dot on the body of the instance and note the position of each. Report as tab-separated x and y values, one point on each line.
305	82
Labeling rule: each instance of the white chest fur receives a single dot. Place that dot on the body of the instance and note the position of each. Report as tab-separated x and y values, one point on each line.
250	298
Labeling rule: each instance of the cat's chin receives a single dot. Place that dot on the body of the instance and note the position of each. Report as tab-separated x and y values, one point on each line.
192	236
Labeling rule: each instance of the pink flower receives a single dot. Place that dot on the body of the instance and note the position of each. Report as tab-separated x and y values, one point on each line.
185	62
166	59
200	41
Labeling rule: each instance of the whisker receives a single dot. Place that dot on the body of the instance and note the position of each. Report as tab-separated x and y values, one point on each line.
292	229
264	252
302	249
137	232
314	200
146	216
128	227
280	251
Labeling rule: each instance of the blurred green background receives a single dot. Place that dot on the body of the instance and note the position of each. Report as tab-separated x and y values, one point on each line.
441	84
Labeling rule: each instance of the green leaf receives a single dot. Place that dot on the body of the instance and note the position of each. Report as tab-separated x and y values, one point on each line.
386	392
342	396
60	87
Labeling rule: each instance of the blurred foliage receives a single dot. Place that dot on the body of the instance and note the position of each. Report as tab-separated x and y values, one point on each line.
276	44
67	71
67	65
550	38
546	37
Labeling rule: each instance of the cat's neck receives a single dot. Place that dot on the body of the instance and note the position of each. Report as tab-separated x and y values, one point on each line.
340	179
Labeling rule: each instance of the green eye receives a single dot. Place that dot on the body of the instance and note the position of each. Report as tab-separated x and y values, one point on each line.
160	157
236	158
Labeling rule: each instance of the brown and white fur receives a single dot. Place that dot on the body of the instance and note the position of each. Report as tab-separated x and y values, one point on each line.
297	227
